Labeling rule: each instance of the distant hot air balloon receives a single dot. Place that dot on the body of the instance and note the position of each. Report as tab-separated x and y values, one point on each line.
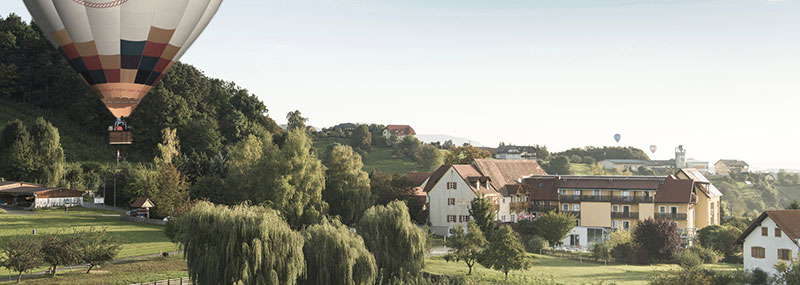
122	48
653	148
617	137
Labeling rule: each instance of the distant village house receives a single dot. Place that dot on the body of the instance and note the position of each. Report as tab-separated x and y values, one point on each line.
728	166
398	131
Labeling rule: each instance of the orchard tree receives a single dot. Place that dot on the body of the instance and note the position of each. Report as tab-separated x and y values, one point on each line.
61	250
21	254
554	226
658	238
334	254
242	244
467	246
430	157
97	247
505	252
361	138
397	243
347	190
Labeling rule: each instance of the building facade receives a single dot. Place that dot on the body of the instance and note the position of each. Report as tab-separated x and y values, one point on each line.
728	166
399	131
30	196
773	237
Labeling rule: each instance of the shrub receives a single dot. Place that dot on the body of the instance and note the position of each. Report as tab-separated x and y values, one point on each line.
623	252
709	256
535	244
688	259
694	276
758	277
658	237
600	252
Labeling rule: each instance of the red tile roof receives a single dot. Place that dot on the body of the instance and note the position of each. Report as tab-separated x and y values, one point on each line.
401	130
787	220
418	177
139	202
674	190
435	176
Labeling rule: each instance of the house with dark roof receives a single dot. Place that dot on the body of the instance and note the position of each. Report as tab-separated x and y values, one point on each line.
451	188
728	166
602	204
30	195
771	238
622	164
398	131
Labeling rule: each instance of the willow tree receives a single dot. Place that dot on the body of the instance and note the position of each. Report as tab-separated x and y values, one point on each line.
289	178
347	189
336	255
397	243
241	244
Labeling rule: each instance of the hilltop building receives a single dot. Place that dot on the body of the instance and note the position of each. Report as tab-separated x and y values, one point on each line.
30	195
772	237
728	166
399	131
659	166
451	188
602	204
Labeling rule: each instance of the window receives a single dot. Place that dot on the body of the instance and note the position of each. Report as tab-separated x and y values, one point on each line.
626	209
451	201
777	232
662	209
451	185
513	218
503	218
757	252
785	254
451	218
565	207
615	224
615	208
626	225
576	192
576	207
577	222
764	231
596	192
673	210
626	193
595	235
463	219
504	200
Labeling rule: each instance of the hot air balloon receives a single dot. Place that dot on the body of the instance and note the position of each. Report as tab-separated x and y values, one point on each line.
653	148
617	137
122	48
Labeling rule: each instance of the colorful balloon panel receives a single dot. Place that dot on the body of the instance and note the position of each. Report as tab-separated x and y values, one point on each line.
122	48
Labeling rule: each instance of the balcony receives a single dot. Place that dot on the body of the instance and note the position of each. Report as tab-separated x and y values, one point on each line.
519	206
544	208
624	215
575	198
632	199
670	216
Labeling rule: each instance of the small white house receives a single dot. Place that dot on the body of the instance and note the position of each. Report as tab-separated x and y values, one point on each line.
773	237
450	191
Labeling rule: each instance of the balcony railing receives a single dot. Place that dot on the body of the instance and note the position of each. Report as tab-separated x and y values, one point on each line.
624	215
544	208
519	206
605	198
671	216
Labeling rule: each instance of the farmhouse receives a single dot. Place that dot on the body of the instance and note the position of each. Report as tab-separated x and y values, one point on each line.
399	131
29	195
728	166
771	238
451	188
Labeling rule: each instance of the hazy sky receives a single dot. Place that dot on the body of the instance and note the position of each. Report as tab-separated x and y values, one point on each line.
720	77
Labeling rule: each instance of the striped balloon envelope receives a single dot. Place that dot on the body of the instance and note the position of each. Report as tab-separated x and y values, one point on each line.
122	48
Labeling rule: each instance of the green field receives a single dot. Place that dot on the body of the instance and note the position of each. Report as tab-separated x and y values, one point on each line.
379	158
580	169
136	239
125	272
560	270
77	211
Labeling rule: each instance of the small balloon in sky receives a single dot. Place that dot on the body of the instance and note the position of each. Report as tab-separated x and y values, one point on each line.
617	137
653	148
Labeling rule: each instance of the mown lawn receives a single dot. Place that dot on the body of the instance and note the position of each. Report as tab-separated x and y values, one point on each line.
563	271
77	211
136	239
126	272
580	169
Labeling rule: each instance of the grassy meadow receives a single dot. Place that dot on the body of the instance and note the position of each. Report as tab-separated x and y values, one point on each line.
379	158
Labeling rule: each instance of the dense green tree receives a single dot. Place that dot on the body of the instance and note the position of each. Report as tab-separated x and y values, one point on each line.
467	246
554	226
97	247
505	252
720	238
794	205
388	187
296	121
397	244
464	154
482	213
558	165
20	254
347	190
336	255
361	138
409	146
162	183
658	238
289	179
430	157
16	161
243	244
606	152
46	152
